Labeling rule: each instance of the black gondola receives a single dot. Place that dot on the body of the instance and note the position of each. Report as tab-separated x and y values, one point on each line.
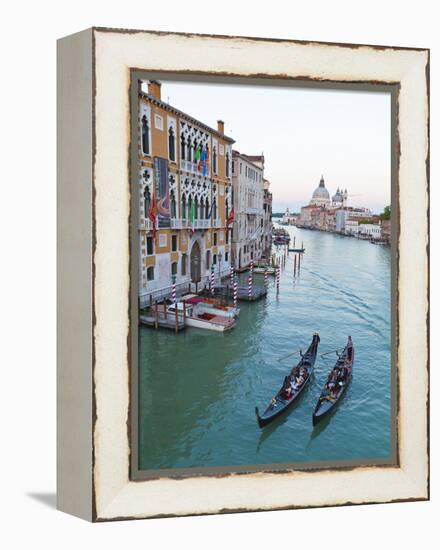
336	384
297	249
290	390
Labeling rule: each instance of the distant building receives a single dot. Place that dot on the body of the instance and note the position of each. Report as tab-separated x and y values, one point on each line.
267	219
289	218
320	197
248	240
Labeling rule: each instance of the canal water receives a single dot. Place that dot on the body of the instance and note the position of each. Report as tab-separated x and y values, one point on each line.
198	390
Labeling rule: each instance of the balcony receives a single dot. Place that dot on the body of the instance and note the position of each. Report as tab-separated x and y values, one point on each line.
253	211
146	224
188	166
177	223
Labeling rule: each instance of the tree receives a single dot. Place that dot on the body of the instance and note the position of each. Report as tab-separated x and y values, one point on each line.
386	214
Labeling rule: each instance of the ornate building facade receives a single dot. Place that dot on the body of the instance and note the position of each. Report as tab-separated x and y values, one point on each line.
185	197
248	239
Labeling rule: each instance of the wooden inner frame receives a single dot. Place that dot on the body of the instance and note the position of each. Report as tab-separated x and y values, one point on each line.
116	54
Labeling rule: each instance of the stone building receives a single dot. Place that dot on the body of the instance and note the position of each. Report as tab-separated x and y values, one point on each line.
248	238
185	197
267	220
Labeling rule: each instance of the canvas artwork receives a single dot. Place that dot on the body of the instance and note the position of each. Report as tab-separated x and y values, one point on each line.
264	276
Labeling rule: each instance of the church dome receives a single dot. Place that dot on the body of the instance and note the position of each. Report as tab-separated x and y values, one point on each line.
321	192
337	197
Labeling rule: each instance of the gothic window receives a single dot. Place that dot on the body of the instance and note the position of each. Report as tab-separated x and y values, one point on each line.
145	136
202	209
207	209
183	207
196	208
214	210
182	147
189	150
147	201
189	205
171	144
173	205
214	160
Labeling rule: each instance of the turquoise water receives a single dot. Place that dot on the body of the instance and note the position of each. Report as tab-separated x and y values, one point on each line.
198	390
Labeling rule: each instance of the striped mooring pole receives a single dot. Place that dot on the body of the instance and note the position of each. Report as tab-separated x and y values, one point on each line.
212	280
250	286
278	279
266	278
235	293
251	267
299	262
173	291
232	275
294	265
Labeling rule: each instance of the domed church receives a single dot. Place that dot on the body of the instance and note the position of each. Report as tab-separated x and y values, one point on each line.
321	197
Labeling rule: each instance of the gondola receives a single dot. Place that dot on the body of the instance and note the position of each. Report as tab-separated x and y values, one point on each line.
280	402
337	382
297	249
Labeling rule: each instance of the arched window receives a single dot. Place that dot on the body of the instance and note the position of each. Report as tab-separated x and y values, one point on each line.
227	165
183	207
182	147
214	210
183	266
202	209
189	206
174	268
207	209
145	136
171	144
226	210
147	201
173	205
208	259
214	160
189	151
196	208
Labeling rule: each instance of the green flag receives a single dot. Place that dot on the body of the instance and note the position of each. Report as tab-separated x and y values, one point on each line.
192	212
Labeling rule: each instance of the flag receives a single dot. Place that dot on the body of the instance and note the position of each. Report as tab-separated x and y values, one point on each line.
192	215
230	217
152	214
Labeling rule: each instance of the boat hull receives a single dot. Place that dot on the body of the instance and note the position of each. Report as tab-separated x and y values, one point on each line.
280	404
208	325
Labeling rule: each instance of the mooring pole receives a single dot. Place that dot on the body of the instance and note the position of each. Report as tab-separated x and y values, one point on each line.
156	321
294	265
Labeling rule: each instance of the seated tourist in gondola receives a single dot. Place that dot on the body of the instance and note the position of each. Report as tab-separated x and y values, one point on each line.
287	388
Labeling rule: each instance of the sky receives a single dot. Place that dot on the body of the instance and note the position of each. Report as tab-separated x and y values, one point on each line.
303	133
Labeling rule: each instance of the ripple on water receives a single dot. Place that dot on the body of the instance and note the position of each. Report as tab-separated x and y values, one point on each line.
198	389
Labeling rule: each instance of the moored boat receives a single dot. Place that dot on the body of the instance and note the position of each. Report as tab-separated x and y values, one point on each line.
261	269
293	385
336	384
198	317
297	249
211	305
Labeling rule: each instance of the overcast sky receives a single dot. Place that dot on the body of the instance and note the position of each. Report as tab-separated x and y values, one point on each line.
303	133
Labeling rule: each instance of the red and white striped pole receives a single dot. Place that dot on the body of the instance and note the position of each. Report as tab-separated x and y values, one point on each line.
212	280
232	275
278	279
251	267
266	278
250	289
235	294
173	291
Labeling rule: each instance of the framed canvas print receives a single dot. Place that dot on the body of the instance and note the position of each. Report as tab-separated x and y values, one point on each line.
243	274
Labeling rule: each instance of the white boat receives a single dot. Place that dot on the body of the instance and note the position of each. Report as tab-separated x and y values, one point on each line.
199	318
270	270
210	305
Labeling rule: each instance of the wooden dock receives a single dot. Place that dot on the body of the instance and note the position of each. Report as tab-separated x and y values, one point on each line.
160	321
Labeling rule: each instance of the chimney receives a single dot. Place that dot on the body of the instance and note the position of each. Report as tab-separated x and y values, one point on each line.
221	126
154	88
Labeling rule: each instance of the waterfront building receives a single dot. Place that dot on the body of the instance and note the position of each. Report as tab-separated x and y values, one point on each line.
289	218
185	197
385	230
342	214
320	197
267	220
248	236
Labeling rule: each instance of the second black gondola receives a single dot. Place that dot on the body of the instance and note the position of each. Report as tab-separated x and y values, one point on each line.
336	384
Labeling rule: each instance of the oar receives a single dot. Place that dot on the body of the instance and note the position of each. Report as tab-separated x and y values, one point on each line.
332	351
289	355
